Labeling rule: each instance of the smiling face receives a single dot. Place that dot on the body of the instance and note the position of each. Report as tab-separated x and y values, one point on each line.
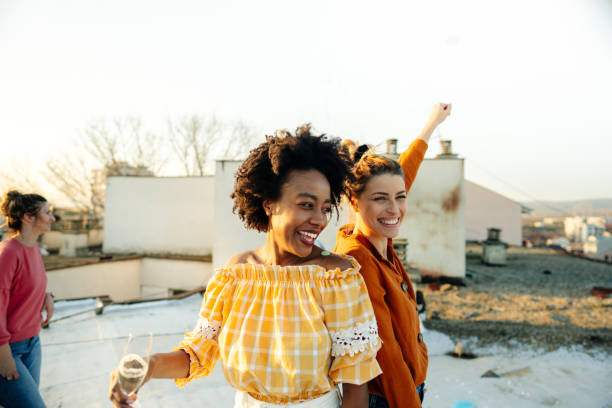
300	214
381	206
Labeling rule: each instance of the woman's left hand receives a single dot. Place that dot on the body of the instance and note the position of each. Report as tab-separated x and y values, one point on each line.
48	307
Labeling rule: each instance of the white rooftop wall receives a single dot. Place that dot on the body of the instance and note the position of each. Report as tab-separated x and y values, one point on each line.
231	237
164	215
434	225
487	209
129	279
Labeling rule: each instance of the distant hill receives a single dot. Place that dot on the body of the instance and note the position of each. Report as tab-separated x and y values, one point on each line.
597	206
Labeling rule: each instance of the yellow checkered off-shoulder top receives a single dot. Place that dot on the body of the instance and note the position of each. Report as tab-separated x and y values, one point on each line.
285	333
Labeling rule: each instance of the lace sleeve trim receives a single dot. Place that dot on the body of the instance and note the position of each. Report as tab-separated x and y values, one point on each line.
355	339
208	329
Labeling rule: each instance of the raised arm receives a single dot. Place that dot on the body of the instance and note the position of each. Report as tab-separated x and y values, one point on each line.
411	158
438	114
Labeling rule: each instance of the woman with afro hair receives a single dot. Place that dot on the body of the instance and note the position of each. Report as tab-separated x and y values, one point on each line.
290	321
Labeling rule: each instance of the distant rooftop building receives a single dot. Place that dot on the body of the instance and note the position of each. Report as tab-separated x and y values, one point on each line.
579	229
122	168
484	209
599	247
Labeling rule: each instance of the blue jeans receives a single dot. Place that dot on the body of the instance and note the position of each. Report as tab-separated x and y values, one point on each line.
380	402
23	392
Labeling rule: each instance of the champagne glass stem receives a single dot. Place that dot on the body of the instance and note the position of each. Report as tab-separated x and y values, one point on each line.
127	345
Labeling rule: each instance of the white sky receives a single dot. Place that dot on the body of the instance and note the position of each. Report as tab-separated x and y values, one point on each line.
530	80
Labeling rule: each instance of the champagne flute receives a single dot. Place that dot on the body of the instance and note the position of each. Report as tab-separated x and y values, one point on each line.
133	368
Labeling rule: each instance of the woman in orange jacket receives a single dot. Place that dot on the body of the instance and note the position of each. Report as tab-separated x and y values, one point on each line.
378	197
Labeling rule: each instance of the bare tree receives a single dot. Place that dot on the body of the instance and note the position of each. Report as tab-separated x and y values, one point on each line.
240	140
76	181
192	138
123	140
122	147
118	148
195	138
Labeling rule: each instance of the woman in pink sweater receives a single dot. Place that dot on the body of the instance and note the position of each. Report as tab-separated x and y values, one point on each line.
23	282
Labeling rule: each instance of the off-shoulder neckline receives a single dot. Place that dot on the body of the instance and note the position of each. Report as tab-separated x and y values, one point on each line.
306	267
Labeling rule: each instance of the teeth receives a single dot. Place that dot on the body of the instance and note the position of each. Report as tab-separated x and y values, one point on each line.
392	222
308	234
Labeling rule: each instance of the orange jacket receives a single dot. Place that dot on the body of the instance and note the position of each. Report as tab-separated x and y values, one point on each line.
403	356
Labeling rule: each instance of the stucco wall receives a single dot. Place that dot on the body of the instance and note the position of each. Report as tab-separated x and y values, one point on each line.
95	237
167	215
120	280
487	209
435	221
231	237
129	279
175	274
52	240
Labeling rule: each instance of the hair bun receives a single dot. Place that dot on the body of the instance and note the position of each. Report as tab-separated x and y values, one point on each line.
360	152
11	199
354	152
13	194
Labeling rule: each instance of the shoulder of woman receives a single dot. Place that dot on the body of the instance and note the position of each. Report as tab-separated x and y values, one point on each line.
333	261
9	263
240	258
10	248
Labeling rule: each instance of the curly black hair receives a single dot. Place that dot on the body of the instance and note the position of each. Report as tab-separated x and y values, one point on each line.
264	171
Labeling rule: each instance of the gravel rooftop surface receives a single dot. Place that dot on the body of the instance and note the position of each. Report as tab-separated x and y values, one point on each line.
541	297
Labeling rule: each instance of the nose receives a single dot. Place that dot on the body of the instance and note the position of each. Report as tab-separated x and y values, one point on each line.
318	218
393	207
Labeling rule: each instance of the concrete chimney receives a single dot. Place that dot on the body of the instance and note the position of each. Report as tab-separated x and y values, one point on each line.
447	150
447	146
392	146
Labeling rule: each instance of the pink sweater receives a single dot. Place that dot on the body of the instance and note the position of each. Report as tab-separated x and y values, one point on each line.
23	281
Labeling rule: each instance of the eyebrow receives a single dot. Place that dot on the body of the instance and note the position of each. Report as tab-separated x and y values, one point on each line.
312	196
383	193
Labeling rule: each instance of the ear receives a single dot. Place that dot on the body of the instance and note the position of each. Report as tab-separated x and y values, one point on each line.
28	219
267	206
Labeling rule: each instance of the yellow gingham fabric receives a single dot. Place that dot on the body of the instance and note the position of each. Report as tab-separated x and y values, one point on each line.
285	334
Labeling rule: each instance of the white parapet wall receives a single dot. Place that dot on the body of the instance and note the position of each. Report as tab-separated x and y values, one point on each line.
120	280
175	273
160	215
52	240
231	237
95	237
73	243
129	278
